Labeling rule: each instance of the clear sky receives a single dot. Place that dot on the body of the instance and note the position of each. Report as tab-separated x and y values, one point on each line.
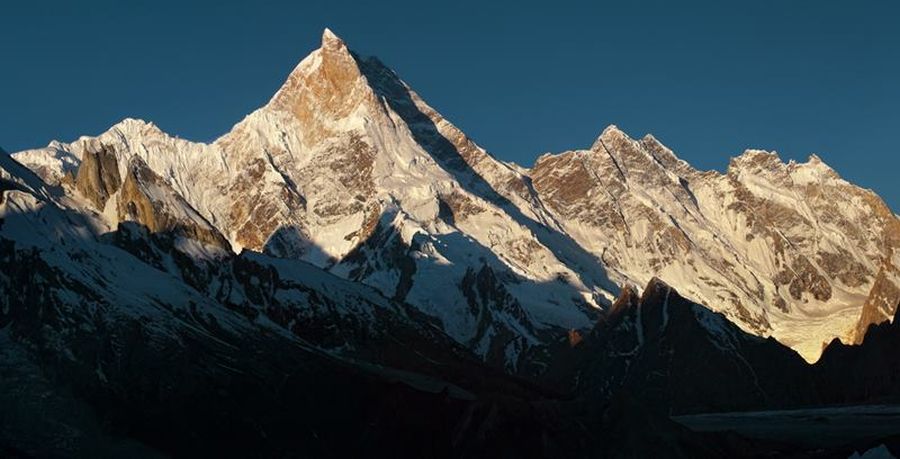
709	79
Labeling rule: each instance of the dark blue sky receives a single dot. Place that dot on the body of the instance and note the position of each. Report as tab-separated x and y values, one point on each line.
709	78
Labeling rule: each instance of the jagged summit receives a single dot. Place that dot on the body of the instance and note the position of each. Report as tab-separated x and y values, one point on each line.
758	155
331	41
610	133
755	162
136	123
324	83
650	138
817	163
611	129
136	126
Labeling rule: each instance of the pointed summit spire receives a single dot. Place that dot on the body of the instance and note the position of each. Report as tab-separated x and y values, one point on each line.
611	134
327	85
611	129
330	41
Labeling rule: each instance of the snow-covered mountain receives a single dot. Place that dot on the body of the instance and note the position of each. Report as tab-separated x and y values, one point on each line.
350	170
787	250
152	343
145	342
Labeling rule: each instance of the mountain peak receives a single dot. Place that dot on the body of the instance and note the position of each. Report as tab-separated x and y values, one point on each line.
650	138
765	162
324	85
135	125
331	41
755	154
814	161
612	131
754	160
814	170
610	134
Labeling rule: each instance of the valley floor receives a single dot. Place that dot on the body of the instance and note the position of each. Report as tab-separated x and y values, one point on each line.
862	426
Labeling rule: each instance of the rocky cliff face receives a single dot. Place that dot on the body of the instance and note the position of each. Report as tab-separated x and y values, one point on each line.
787	250
349	169
881	304
147	199
98	176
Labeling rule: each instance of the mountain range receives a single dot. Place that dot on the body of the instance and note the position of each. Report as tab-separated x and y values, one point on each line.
346	249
